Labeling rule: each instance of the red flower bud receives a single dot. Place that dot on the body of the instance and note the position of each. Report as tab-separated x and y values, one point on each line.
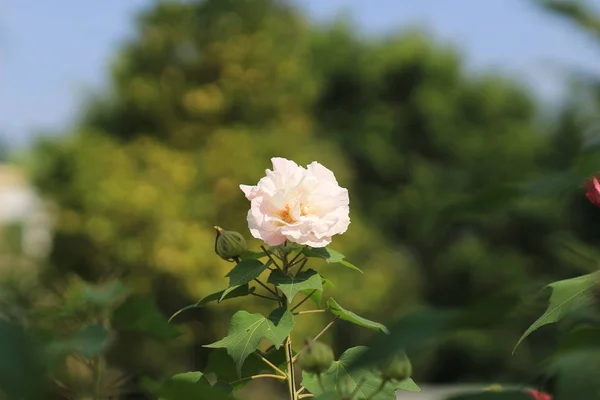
593	190
535	395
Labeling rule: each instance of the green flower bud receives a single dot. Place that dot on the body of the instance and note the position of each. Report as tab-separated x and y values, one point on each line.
397	368
229	244
316	358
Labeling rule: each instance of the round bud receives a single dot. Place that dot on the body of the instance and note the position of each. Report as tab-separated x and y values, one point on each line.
397	368
229	244
316	358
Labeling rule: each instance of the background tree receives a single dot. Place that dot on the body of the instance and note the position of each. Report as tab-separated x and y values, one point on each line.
208	91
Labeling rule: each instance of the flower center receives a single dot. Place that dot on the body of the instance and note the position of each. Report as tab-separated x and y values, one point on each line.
286	214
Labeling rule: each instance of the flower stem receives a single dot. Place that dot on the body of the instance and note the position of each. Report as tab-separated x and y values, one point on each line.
310	311
270	257
302	265
318	336
270	364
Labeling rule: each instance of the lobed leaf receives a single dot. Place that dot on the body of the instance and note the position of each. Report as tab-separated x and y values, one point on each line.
567	295
243	273
239	291
329	255
291	285
247	330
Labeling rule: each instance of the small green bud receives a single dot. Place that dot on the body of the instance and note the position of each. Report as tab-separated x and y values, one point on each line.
229	244
316	358
397	368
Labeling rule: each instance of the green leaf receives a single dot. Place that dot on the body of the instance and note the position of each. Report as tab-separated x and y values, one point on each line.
340	375
567	295
246	271
239	291
223	366
329	255
291	285
349	316
89	341
140	314
247	330
317	295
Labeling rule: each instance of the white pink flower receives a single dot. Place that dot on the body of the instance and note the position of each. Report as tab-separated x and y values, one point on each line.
302	205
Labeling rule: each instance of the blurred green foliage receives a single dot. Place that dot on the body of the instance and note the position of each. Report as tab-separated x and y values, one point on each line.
208	91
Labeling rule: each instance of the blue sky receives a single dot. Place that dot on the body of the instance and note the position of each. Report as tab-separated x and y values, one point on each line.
55	52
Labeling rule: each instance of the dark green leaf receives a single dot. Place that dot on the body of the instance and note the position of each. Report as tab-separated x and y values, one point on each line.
247	330
246	271
141	315
291	285
349	316
240	291
340	375
567	296
21	371
329	255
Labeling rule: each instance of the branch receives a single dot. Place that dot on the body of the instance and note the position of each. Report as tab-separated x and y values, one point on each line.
262	376
317	337
307	395
266	287
270	364
299	391
310	311
264	297
302	302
